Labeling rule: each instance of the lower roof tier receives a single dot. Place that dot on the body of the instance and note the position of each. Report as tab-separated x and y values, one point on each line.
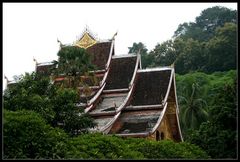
136	122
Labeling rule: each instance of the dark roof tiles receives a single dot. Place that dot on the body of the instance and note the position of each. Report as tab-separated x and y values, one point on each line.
151	87
121	72
45	69
100	54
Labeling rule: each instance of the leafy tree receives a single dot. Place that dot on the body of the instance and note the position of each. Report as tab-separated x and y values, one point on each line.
205	25
189	30
146	58
27	136
218	136
32	92
72	118
164	54
190	57
136	47
207	45
73	62
54	104
222	49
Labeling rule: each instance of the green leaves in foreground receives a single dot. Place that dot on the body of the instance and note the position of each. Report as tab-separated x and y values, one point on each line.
97	146
27	136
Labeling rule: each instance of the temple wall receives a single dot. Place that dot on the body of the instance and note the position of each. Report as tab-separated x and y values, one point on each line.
164	128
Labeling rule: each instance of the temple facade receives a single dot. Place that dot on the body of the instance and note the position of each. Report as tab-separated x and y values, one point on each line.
127	100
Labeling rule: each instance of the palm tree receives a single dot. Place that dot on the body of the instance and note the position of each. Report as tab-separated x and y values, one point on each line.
193	109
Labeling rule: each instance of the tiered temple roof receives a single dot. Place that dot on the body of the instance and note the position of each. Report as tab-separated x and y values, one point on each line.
128	101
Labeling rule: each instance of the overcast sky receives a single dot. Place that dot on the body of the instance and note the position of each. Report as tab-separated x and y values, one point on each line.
31	29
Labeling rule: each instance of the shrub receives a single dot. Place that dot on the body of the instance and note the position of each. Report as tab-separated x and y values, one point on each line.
97	146
27	136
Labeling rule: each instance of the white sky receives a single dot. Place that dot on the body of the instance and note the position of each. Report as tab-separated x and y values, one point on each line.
31	29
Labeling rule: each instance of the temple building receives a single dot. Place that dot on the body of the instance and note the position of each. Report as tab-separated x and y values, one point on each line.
127	101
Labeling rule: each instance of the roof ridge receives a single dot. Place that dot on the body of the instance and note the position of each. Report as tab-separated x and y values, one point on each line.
155	69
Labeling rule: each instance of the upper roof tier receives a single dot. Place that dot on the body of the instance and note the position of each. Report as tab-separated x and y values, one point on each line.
121	72
100	53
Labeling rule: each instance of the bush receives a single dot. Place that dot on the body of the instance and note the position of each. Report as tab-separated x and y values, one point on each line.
27	136
167	149
97	146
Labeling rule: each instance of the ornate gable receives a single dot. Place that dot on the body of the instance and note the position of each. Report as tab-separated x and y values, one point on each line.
86	40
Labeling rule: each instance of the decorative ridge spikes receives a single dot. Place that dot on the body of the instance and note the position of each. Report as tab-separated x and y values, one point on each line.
89	32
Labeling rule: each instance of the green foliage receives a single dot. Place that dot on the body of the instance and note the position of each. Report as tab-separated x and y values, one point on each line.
205	25
72	118
218	134
217	54
163	54
97	146
193	109
191	56
167	149
146	58
32	92
207	45
217	142
222	49
54	104
73	60
27	136
136	47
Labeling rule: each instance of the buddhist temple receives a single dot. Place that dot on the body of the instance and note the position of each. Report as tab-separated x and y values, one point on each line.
127	100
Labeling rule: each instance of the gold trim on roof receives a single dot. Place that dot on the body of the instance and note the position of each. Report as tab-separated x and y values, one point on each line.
86	41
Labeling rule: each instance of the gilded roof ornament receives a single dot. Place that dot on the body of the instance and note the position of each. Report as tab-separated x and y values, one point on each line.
86	40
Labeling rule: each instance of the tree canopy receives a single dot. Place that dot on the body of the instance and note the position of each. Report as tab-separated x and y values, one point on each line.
206	45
